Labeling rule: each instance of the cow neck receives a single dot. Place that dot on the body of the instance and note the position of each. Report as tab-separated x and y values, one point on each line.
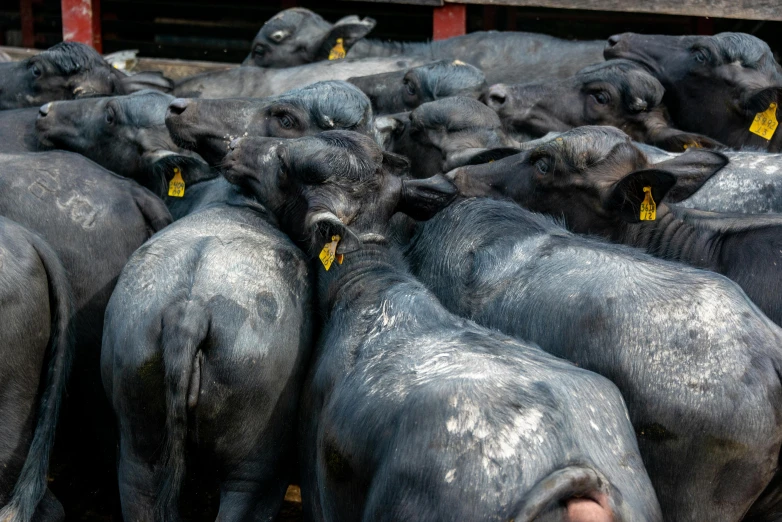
670	237
381	49
363	275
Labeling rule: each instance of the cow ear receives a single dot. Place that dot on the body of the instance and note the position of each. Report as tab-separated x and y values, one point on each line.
423	198
396	163
675	140
759	101
163	166
324	225
691	170
478	156
88	86
349	30
386	127
627	194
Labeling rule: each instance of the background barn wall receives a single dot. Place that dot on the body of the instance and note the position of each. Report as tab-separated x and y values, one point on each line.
221	31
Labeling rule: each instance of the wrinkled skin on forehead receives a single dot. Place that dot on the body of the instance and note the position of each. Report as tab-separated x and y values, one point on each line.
441	135
67	71
714	85
208	126
619	93
297	36
405	90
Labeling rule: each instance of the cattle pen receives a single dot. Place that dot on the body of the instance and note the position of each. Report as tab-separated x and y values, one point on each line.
167	43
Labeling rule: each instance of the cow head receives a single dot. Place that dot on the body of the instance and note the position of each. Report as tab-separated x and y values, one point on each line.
592	177
68	71
297	36
714	85
443	134
208	126
335	183
619	93
125	134
399	91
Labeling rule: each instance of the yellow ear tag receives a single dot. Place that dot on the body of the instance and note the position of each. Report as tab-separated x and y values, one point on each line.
648	207
692	145
338	51
329	253
765	123
176	187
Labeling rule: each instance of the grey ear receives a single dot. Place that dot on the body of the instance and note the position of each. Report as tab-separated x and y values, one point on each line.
350	29
423	198
691	170
324	225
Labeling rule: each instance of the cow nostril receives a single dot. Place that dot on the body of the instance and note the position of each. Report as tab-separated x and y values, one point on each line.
497	99
178	106
234	143
613	40
497	96
44	110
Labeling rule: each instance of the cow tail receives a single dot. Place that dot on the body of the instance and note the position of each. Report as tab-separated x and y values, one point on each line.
185	326
32	482
570	484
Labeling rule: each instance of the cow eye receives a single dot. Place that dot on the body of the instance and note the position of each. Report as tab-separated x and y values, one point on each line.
35	71
701	56
409	87
543	165
601	97
286	121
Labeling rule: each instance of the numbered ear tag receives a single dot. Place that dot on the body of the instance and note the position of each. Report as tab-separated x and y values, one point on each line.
176	187
648	206
338	51
765	123
329	253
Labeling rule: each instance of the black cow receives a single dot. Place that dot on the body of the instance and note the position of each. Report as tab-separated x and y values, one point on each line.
619	93
510	57
36	345
695	361
400	91
208	126
408	411
125	134
715	85
597	181
66	71
204	352
94	220
254	82
297	36
443	134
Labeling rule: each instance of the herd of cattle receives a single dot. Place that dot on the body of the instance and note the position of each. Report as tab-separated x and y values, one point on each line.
499	277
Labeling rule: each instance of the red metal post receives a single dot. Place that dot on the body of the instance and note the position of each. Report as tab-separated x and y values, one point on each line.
81	22
28	27
449	20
